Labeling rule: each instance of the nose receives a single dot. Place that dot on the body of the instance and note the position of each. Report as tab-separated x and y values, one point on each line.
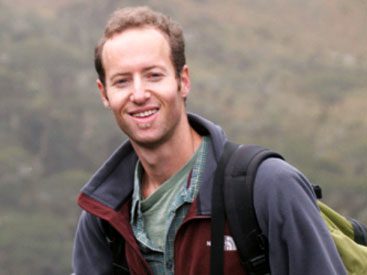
139	94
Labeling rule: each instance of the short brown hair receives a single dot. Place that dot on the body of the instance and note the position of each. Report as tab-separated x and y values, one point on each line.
136	17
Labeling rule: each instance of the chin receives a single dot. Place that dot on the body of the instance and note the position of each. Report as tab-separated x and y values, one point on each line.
154	140
147	143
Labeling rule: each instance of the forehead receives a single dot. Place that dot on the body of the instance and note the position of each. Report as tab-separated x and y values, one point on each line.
143	43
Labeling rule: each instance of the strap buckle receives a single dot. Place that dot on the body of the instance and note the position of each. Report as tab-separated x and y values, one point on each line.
258	265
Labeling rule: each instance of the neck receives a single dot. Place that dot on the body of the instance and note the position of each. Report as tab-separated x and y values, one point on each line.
167	159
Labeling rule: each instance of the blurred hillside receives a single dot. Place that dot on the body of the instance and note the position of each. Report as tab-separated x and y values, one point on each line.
290	75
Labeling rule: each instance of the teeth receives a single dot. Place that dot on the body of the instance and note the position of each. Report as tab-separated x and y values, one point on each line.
145	114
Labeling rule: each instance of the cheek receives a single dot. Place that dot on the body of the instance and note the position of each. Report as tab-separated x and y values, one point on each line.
172	93
117	101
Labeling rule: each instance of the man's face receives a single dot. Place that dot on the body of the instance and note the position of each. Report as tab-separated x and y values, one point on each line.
141	87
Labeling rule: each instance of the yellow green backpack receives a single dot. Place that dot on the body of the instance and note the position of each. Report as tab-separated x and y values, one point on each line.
350	239
233	198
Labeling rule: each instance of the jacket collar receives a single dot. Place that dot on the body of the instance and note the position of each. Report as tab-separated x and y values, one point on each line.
112	184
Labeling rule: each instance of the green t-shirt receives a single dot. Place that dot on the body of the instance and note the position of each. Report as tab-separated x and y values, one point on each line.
156	207
155	232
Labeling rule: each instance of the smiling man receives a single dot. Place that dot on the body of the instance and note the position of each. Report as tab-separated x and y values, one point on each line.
147	98
155	190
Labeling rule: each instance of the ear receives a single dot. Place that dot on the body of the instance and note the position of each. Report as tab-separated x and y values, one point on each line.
185	82
103	94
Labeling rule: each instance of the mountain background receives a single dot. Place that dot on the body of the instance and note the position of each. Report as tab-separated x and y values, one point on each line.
286	74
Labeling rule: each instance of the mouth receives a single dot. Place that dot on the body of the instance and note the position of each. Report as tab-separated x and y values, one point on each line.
144	114
144	118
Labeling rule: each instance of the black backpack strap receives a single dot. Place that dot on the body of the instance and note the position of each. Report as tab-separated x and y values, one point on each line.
239	203
238	170
218	212
116	244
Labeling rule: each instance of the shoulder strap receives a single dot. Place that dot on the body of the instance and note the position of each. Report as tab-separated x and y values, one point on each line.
238	198
239	165
218	213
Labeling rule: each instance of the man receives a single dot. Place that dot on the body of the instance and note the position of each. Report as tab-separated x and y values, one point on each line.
155	190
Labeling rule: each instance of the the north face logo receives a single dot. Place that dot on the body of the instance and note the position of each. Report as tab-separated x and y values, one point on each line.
228	245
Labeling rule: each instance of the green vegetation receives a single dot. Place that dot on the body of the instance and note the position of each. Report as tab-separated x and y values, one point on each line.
284	74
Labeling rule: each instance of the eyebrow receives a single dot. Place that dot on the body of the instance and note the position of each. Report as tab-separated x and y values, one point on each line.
144	70
154	67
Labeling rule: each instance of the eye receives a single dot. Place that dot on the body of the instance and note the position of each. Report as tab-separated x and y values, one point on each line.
154	76
121	82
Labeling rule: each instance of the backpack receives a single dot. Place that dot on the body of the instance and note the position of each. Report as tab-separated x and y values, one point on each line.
233	199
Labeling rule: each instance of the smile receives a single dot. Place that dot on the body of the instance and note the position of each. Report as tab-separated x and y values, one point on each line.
145	113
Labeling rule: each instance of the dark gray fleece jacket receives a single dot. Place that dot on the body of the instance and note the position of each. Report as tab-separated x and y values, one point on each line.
299	241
